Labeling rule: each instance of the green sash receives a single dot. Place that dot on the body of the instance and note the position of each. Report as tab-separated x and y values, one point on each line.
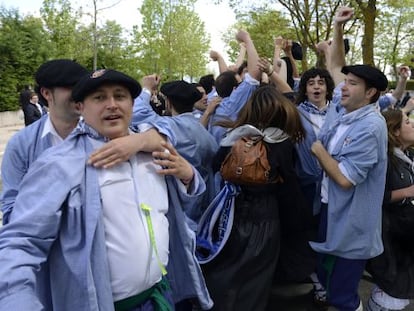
154	293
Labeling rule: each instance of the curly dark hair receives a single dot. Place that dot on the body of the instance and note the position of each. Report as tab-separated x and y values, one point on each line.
312	73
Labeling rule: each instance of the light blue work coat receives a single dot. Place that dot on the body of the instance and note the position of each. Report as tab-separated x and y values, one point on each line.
354	214
53	254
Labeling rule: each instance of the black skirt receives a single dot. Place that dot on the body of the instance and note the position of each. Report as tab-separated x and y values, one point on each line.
240	277
393	270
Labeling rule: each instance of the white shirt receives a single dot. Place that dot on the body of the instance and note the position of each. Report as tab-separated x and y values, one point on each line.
317	122
39	108
49	129
342	128
132	261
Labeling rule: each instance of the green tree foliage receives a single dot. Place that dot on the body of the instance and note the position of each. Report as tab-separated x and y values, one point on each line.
369	43
22	49
264	25
111	46
395	46
60	21
146	42
312	20
367	12
184	46
172	40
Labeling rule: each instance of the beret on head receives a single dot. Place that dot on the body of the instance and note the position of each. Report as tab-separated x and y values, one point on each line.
181	91
92	81
59	72
369	74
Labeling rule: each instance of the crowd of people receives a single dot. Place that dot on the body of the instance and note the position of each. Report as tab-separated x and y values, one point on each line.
103	190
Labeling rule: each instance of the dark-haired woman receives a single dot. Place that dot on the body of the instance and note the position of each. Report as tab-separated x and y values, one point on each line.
393	270
240	277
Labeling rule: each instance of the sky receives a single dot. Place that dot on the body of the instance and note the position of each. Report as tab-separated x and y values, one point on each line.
217	18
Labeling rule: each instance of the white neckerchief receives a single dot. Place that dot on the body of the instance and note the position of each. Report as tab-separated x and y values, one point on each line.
270	135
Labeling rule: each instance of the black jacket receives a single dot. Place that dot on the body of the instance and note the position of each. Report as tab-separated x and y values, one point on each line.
32	114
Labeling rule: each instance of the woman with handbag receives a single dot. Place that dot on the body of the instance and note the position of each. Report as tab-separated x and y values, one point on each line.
240	276
393	270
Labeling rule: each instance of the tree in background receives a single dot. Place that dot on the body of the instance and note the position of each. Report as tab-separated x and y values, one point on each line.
22	48
305	21
263	25
185	43
60	21
172	40
147	38
392	47
109	50
312	20
95	31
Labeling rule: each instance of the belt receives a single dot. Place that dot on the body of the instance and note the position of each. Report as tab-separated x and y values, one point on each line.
155	293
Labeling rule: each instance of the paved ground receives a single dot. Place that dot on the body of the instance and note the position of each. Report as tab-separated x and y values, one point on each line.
286	297
5	133
298	297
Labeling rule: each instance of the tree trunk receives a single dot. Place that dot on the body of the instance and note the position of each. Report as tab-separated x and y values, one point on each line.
369	14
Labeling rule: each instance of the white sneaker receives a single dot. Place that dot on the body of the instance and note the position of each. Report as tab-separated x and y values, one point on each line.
360	307
373	306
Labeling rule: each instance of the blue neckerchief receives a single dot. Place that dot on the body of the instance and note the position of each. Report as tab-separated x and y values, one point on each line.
215	225
346	119
312	109
84	129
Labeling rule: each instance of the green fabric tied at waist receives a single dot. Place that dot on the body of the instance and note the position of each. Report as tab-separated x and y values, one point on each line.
329	264
154	293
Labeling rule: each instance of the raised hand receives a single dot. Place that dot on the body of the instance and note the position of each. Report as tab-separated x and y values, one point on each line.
242	36
343	15
172	163
404	72
214	55
265	66
151	82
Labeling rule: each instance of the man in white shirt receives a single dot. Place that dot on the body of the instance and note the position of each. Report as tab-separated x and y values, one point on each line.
109	235
54	82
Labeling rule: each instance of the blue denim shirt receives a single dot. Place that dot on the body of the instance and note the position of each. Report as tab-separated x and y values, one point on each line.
354	215
230	106
53	253
192	141
24	148
308	168
21	150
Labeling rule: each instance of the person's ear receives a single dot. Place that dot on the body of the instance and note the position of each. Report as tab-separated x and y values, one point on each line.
46	93
371	92
80	106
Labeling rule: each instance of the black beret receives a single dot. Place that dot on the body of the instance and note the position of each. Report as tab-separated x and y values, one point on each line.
346	45
92	81
372	76
181	91
297	51
59	72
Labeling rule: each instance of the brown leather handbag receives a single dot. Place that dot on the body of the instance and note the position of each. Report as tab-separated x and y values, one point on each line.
247	163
